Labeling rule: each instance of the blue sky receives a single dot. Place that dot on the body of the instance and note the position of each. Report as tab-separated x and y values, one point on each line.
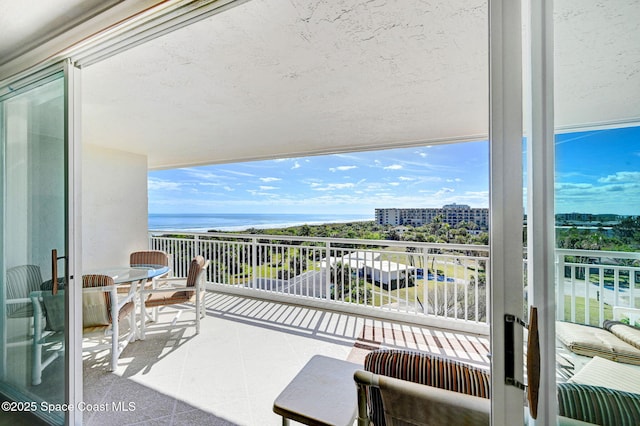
354	183
596	172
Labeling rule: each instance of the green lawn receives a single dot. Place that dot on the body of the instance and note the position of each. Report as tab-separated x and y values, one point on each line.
594	310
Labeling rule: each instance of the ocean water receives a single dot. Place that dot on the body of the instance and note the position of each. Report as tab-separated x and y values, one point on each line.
243	221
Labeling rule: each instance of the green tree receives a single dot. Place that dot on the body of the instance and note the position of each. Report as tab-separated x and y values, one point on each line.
628	230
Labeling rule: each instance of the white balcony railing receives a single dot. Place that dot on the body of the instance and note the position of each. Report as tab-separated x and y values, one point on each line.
592	282
444	285
423	283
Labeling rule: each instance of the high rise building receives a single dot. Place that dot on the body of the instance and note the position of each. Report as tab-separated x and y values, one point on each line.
451	214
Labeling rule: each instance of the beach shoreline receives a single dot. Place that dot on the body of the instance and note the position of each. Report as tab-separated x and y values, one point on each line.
243	222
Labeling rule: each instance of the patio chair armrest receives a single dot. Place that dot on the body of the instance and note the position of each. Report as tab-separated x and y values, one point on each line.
19	300
35	297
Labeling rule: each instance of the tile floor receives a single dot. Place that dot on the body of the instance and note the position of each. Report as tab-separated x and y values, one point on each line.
247	352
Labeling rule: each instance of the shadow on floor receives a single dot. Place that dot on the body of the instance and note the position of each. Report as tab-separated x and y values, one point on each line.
114	400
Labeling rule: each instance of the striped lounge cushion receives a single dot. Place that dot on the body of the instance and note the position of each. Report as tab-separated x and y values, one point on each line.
615	375
624	332
598	405
594	341
424	369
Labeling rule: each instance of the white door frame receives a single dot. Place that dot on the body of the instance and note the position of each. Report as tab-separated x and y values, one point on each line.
540	197
73	337
505	202
73	249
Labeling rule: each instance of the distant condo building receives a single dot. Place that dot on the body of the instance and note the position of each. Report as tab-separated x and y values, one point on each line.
450	213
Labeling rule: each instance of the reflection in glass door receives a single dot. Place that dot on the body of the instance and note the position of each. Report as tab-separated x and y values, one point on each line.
33	188
597	209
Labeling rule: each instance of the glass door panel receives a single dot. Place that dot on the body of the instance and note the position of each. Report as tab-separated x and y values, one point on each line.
597	206
33	245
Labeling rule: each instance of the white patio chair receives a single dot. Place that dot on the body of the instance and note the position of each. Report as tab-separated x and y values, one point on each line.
177	291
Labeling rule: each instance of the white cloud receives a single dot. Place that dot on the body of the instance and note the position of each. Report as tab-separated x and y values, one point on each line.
342	168
333	186
444	191
233	172
255	192
311	180
228	188
201	174
163	185
559	186
621	177
477	194
269	179
267	188
454	180
405	178
394	183
394	167
296	165
616	190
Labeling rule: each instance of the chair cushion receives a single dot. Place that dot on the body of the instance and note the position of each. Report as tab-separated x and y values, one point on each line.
145	258
624	332
54	310
594	341
53	305
603	372
21	310
21	281
168	298
598	405
96	307
94	310
194	270
149	257
425	369
407	403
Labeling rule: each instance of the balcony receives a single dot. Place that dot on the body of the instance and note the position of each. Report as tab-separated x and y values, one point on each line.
247	352
262	325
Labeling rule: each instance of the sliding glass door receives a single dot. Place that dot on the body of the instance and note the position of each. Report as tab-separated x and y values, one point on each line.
34	247
597	208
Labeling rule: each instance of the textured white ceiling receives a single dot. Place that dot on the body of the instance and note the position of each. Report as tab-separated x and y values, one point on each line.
273	78
597	61
283	78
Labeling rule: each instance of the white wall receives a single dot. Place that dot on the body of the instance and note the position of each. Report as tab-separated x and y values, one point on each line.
114	206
